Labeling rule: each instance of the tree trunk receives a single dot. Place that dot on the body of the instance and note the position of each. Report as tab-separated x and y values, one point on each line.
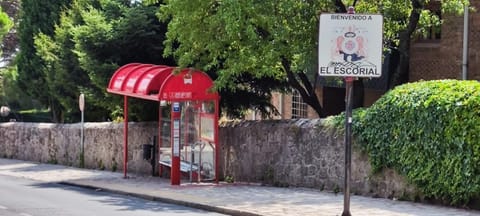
401	73
358	93
304	88
56	111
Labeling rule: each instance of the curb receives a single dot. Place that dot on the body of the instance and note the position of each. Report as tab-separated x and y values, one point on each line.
167	200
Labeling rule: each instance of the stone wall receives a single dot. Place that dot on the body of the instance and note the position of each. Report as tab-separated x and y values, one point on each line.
301	153
60	143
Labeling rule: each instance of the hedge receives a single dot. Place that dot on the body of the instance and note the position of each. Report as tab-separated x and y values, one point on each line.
429	132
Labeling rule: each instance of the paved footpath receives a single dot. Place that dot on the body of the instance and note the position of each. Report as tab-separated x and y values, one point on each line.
231	199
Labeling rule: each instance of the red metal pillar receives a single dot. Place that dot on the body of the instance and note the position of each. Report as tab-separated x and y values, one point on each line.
198	108
159	144
175	140
217	144
186	132
125	135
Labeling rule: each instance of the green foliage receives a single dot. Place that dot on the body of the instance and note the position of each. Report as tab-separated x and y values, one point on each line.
34	115
338	121
5	24
336	189
35	17
81	157
429	132
7	77
16	99
271	39
248	46
229	179
396	14
268	175
63	77
100	165
52	161
92	39
114	165
243	37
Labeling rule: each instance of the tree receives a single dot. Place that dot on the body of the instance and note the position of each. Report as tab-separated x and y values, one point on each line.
5	24
35	17
260	40
61	70
403	21
92	39
277	39
9	39
10	93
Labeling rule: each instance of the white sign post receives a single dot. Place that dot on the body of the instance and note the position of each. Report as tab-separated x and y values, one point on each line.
81	105
350	45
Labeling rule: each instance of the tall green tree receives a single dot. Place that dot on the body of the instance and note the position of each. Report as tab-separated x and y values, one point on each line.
61	70
277	39
9	40
93	39
268	40
10	94
35	17
5	24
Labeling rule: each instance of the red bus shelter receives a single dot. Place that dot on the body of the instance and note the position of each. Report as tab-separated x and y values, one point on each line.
193	145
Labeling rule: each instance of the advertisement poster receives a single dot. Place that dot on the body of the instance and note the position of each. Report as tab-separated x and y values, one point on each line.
176	138
207	127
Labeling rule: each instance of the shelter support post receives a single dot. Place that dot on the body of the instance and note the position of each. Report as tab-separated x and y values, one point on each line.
159	146
217	144
125	135
175	139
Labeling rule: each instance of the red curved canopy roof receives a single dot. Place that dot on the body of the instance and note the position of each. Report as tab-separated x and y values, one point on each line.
159	82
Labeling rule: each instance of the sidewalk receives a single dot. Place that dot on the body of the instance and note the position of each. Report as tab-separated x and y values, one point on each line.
231	199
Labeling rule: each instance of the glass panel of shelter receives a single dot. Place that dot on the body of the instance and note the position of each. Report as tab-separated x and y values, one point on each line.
197	143
165	145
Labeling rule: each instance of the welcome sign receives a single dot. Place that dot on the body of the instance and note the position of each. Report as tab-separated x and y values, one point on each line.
350	45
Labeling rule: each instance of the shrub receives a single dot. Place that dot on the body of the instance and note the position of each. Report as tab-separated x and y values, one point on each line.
430	132
35	115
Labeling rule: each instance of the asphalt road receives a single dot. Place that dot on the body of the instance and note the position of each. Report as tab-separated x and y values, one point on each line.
22	197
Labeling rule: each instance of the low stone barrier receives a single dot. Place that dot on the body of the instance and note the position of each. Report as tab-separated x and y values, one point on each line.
300	153
60	144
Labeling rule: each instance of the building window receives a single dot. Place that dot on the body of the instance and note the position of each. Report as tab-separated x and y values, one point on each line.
433	30
299	108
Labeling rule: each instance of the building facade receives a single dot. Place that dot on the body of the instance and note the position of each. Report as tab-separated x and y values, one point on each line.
442	57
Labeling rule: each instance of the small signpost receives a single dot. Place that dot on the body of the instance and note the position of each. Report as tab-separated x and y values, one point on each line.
81	105
350	46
